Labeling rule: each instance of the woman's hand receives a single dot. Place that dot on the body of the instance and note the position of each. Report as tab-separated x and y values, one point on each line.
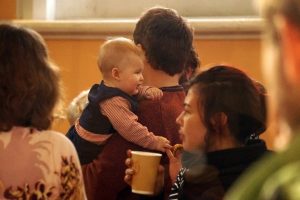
174	164
129	173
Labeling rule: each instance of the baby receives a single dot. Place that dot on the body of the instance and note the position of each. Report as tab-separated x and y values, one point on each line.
112	103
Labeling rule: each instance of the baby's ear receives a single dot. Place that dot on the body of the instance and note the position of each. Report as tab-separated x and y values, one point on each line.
115	73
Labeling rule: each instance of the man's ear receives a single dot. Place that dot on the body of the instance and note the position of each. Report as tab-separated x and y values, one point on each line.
140	47
142	50
115	73
290	43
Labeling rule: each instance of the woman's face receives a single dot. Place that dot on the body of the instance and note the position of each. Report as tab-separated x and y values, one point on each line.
192	129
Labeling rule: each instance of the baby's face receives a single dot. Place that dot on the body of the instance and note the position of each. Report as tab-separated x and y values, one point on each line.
131	74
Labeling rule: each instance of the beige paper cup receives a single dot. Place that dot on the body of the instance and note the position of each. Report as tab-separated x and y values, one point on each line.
145	165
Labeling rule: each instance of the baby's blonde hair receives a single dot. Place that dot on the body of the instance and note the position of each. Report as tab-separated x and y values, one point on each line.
113	51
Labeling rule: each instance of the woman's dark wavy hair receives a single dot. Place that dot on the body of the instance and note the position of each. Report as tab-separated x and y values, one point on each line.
166	39
224	89
29	84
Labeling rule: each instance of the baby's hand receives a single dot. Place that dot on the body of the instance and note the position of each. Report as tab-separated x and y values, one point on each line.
153	93
162	144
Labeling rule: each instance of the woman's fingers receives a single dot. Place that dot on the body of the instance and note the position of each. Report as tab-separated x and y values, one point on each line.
169	154
129	172
128	152
128	162
128	175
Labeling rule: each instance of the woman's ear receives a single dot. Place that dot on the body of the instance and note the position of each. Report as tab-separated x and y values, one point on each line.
219	118
115	73
219	121
223	118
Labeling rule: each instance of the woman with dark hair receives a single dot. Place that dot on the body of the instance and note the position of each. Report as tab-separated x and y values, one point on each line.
36	163
223	110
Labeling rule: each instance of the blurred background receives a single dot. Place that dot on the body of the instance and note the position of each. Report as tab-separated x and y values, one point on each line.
227	31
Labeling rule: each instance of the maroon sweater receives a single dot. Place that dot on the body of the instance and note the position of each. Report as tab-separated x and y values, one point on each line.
104	176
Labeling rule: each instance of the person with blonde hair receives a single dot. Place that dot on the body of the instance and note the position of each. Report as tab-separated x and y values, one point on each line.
112	104
76	106
36	163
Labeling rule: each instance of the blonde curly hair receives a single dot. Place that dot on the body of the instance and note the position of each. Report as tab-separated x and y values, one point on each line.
76	106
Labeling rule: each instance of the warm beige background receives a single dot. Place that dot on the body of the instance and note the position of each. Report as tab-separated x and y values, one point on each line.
77	60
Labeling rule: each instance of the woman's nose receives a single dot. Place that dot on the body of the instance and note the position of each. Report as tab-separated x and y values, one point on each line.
179	118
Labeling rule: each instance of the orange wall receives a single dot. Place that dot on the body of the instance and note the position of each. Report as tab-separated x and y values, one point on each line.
8	9
244	54
77	60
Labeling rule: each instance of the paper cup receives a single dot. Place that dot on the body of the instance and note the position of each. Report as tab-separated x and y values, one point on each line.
145	165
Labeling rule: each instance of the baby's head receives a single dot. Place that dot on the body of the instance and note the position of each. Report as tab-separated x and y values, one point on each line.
115	52
121	63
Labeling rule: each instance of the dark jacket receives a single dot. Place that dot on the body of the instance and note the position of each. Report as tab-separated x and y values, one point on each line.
222	169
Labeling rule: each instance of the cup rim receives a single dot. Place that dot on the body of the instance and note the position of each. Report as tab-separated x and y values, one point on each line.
146	153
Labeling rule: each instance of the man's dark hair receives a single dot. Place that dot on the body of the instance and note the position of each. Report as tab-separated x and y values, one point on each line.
166	39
